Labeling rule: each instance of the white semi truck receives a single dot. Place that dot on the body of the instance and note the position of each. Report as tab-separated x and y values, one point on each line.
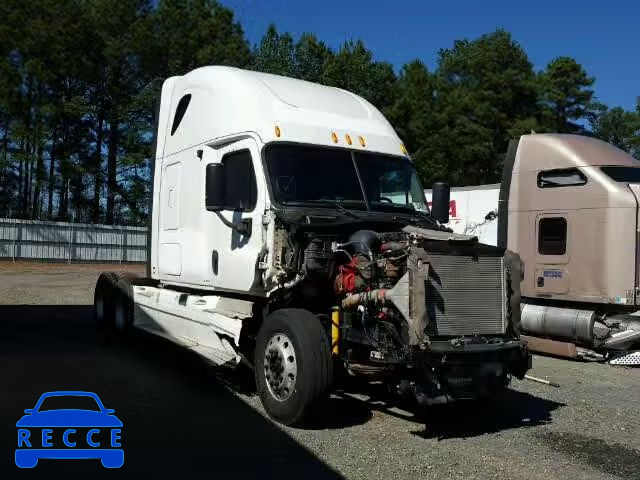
568	205
289	230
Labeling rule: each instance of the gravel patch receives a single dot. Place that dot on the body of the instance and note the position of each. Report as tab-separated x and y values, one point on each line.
31	283
588	428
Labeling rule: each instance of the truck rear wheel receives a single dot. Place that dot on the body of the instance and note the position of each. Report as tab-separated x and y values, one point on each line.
113	305
293	367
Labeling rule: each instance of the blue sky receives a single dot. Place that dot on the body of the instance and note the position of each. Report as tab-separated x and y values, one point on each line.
604	36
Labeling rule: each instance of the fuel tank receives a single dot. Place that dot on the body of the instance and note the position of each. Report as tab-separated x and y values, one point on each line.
555	322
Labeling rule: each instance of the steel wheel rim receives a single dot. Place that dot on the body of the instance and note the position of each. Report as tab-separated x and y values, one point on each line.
280	367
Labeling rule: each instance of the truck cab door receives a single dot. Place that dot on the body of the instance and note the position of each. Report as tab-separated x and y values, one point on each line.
233	257
551	275
170	234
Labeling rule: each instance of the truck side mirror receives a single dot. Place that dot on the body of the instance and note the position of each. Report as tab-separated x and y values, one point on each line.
214	187
440	195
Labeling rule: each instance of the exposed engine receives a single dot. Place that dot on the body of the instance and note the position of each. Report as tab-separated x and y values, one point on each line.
413	299
372	265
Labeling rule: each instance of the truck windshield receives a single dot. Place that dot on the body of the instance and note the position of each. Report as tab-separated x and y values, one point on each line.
623	174
315	176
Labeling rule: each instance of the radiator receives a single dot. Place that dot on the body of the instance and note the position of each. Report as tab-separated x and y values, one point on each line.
465	296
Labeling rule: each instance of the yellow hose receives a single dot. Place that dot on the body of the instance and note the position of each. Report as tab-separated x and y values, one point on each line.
335	330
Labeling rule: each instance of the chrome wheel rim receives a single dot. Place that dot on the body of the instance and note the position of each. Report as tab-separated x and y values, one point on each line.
280	367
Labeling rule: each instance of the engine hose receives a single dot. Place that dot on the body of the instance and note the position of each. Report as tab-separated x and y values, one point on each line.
373	296
288	285
335	330
339	248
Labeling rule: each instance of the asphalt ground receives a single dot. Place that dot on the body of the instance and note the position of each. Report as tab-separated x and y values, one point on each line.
184	418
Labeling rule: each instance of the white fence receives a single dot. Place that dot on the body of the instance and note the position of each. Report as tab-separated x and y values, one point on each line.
71	242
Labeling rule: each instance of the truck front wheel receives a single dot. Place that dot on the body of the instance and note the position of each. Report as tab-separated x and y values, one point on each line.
293	367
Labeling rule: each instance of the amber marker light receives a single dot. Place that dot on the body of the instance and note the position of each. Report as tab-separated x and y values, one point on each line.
362	142
334	137
348	138
277	129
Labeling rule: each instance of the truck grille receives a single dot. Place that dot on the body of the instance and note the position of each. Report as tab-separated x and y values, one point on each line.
465	295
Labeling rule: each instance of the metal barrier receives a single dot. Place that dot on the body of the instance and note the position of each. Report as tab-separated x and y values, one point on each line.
71	242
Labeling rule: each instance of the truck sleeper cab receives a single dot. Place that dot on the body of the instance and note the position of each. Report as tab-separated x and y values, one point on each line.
289	230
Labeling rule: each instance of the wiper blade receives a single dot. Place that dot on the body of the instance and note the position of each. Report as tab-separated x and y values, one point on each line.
323	203
346	211
428	218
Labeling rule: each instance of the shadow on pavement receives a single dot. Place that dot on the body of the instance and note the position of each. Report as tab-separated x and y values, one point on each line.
179	420
511	409
506	410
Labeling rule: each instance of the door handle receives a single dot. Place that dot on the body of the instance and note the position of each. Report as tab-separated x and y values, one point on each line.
540	282
214	262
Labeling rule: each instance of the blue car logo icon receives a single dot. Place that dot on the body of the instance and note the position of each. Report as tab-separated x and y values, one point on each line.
69	425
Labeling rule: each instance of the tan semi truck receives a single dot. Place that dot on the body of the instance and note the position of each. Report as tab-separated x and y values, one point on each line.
568	205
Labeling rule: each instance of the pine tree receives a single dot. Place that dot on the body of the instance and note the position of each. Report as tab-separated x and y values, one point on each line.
566	95
483	88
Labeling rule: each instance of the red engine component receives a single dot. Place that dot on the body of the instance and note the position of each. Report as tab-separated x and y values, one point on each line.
346	278
350	276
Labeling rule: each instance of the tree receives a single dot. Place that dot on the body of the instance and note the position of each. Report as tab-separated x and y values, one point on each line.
413	115
77	95
353	68
119	26
566	95
275	54
45	70
310	58
618	127
484	88
188	34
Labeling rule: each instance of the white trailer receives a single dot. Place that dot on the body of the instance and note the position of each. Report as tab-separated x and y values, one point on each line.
473	210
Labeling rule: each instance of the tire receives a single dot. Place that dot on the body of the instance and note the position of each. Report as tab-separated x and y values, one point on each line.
123	308
285	334
113	305
103	300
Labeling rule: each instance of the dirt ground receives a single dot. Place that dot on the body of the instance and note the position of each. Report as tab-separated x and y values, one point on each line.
30	283
184	418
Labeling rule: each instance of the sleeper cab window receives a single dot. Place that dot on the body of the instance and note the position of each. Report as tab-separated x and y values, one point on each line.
241	192
552	236
567	177
181	109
